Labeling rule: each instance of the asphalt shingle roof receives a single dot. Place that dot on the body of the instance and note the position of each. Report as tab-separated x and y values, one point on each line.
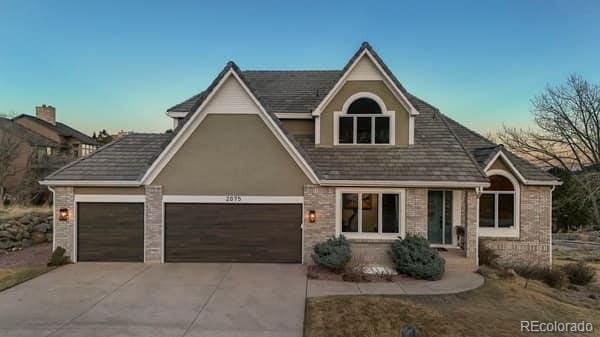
444	150
62	129
124	159
7	125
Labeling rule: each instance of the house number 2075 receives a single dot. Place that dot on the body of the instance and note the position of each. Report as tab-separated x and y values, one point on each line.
233	198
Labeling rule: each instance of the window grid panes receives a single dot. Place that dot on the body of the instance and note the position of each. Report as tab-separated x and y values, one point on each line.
377	213
497	209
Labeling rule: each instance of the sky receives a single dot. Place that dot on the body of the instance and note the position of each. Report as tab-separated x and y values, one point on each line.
118	65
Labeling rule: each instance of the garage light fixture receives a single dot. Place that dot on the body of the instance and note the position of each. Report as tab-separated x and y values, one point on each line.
312	215
63	214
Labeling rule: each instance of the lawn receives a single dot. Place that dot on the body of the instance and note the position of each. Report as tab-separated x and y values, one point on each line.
495	309
10	277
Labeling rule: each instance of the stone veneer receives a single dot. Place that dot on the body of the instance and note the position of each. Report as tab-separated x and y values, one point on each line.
64	197
153	215
533	245
322	200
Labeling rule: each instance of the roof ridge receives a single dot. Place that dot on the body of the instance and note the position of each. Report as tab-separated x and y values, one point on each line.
293	70
102	148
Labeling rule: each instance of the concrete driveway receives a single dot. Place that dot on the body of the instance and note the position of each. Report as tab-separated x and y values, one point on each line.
123	299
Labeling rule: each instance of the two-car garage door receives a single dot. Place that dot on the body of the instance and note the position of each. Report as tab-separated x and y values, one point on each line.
233	232
193	232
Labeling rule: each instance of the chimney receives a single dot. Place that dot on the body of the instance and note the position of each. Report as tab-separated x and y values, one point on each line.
47	113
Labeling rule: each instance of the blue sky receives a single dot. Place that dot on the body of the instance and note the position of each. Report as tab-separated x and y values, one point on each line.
121	64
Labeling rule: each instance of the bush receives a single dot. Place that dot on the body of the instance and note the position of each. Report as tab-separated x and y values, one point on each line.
487	256
58	258
413	256
579	273
555	278
332	254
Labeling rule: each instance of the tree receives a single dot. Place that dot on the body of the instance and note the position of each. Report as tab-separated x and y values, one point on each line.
102	137
566	137
10	147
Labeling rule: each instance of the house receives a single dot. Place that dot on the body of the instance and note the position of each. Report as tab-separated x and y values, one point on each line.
264	164
22	154
73	142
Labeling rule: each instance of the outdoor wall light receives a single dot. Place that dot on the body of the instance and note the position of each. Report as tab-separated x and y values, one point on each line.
312	216
63	214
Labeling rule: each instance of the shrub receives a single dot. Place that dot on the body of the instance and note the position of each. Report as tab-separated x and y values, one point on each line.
555	278
413	256
487	256
58	257
332	254
579	273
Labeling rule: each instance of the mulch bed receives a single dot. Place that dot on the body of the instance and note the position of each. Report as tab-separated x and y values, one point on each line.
33	256
319	273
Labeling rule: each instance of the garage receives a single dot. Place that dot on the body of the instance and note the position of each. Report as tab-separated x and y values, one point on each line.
208	232
110	232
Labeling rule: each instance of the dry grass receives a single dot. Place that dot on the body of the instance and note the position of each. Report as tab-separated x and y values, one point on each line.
494	310
15	212
10	277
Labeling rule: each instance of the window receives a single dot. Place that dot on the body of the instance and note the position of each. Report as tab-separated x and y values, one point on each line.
498	204
364	122
370	213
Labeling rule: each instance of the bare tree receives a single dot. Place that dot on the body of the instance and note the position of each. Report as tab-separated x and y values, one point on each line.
567	135
10	147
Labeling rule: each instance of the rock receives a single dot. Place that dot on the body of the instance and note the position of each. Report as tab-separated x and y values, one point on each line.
409	330
49	237
6	234
594	296
5	244
38	237
43	227
27	219
509	273
26	243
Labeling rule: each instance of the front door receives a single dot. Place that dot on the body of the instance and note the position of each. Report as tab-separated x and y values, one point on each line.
439	217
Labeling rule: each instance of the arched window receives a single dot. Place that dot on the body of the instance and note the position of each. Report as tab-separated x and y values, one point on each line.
498	203
364	120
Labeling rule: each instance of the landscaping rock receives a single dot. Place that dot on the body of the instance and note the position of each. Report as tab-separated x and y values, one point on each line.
409	330
25	231
38	237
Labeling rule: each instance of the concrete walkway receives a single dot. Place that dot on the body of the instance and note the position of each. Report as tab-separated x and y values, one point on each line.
167	300
454	281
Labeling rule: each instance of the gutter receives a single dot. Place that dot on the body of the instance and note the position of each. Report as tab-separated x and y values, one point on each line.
404	183
126	183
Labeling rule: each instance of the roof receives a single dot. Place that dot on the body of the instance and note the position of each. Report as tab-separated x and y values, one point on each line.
125	159
61	129
444	150
26	134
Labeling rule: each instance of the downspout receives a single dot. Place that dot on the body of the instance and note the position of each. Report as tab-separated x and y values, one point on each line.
53	218
551	224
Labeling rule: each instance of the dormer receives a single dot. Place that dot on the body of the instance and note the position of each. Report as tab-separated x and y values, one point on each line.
366	107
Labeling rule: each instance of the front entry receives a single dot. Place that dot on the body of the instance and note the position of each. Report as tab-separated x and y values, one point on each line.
439	217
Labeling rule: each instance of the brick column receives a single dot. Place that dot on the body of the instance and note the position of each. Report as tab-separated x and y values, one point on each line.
471	229
416	211
153	227
322	200
64	197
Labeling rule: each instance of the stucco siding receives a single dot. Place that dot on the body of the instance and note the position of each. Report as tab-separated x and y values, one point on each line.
376	87
232	153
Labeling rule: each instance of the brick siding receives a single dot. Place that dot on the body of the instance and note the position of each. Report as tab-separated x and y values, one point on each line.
153	227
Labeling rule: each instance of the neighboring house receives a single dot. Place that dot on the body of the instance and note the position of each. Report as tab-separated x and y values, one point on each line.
22	153
73	143
264	164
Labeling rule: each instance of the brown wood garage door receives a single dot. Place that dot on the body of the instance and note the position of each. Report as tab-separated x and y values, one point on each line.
233	233
112	232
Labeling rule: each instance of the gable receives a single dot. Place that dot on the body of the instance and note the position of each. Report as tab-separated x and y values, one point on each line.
232	153
365	70
38	128
242	150
377	87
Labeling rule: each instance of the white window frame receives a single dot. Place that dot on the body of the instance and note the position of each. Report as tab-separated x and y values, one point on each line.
344	113
374	236
511	232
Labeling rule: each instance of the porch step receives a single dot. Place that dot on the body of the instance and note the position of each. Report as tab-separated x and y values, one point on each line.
455	260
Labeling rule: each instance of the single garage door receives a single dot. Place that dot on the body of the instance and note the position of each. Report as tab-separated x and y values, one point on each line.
112	232
233	233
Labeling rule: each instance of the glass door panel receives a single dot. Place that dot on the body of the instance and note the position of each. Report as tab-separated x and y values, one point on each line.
435	216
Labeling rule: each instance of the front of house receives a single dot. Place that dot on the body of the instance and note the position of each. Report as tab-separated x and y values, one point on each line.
264	164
